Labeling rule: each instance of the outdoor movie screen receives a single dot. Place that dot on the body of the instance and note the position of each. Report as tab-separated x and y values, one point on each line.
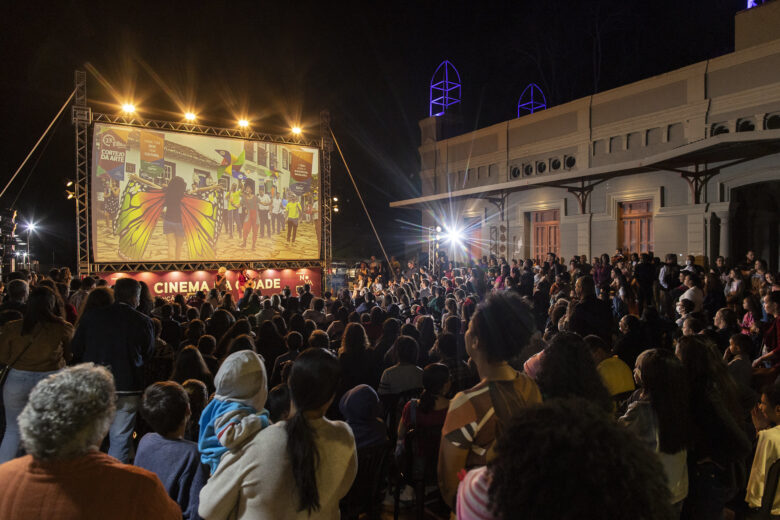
180	197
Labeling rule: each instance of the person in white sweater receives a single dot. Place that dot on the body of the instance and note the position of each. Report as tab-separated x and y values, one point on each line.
296	469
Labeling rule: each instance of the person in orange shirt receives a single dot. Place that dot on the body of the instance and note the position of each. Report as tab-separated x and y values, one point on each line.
65	476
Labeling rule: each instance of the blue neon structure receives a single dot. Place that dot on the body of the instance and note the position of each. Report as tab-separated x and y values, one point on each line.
445	89
531	102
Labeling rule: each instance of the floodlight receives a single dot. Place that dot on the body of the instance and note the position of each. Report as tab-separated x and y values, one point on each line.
335	199
243	123
453	234
69	184
296	130
128	108
189	116
31	226
336	209
71	195
438	229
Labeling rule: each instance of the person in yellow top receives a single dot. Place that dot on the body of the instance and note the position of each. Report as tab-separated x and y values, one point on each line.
615	373
764	415
234	202
294	211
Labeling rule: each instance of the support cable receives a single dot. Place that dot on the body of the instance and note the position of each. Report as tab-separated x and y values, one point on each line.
370	221
62	109
35	164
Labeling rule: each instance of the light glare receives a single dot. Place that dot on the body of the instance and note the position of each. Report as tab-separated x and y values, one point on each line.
189	116
128	108
243	123
296	130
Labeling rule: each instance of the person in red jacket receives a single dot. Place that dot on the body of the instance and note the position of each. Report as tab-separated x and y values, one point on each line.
65	476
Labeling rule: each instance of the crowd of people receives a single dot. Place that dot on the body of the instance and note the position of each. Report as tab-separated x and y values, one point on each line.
626	387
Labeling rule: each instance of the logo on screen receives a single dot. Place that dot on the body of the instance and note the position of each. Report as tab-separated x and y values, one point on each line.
109	140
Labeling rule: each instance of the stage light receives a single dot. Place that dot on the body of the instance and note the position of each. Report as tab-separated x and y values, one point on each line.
336	209
128	108
31	226
296	130
71	195
69	184
243	123
189	116
335	199
438	229
453	235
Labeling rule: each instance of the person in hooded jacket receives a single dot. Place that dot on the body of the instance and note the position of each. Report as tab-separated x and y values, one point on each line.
361	409
237	411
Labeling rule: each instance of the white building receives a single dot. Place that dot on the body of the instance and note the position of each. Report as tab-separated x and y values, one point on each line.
684	162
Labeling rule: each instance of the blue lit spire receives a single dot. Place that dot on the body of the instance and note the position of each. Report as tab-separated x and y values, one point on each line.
445	88
531	100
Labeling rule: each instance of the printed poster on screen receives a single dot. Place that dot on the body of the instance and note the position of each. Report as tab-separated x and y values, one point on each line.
179	197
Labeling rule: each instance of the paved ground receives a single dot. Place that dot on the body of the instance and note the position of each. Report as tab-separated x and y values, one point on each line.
306	246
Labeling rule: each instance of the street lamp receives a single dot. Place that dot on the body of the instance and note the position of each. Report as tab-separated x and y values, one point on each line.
30	229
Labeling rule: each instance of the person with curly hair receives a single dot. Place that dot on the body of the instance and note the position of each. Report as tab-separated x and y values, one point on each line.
592	468
500	328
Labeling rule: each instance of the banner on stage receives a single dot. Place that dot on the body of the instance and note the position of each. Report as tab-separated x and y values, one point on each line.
167	284
158	196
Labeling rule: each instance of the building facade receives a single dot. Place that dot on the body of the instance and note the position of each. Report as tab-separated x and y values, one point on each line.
687	162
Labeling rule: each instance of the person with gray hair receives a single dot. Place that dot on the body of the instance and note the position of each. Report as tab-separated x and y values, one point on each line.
17	292
66	418
119	337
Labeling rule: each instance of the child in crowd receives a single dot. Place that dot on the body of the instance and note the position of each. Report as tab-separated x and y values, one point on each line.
198	395
237	411
176	461
278	403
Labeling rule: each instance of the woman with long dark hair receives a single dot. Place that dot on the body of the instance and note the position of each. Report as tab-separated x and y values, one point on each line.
35	347
359	365
661	416
269	344
569	370
191	365
716	460
97	297
298	468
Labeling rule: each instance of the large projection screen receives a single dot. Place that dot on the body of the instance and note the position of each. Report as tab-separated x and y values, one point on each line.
180	197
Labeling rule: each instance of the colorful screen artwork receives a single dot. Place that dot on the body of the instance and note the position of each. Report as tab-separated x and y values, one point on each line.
180	197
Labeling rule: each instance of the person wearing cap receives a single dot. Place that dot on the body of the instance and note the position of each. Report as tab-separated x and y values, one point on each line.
237	411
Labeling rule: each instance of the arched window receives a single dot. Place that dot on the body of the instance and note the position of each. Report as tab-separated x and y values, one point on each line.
445	88
531	100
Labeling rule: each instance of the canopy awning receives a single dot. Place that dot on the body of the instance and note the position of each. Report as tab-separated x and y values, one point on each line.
703	157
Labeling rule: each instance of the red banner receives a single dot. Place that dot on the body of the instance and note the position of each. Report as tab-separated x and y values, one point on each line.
167	284
301	165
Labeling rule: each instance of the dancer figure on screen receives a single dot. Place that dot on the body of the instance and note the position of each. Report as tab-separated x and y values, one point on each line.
192	217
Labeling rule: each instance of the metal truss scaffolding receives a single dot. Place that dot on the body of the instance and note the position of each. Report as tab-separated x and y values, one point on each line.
83	118
326	201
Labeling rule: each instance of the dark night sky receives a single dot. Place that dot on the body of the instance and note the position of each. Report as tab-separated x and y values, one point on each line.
369	64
